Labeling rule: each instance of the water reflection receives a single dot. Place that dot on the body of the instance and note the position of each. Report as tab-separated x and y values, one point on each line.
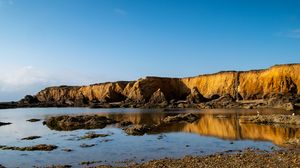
199	136
224	126
231	128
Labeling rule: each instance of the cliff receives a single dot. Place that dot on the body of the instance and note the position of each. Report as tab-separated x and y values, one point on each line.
238	85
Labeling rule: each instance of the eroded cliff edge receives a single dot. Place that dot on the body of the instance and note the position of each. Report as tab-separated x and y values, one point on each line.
277	86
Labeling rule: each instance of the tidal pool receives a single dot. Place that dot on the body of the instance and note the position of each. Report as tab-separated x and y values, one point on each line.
216	131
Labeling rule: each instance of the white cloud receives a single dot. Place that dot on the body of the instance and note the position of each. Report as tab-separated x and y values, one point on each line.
18	82
22	78
120	11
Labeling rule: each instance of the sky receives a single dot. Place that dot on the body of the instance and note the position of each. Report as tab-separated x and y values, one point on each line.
80	42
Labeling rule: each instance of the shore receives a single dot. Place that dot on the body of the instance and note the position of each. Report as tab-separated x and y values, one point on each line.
228	159
223	102
247	158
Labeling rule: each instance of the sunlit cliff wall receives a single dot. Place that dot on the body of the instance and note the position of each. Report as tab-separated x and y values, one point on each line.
245	85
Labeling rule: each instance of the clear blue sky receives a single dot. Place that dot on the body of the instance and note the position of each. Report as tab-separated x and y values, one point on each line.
53	42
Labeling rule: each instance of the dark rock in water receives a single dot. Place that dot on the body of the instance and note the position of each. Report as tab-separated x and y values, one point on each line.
189	117
41	147
137	129
93	135
87	145
31	138
58	166
33	120
67	150
1	166
125	123
3	123
77	122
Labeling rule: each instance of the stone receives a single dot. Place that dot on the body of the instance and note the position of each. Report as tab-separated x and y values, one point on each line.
41	147
137	129
188	117
31	138
195	96
66	122
33	120
4	123
157	97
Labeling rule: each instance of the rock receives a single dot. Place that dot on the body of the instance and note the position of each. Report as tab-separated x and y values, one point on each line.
28	99
41	147
181	105
31	138
125	123
137	129
225	101
93	135
4	123
272	119
67	150
189	117
59	166
1	166
157	97
289	106
164	104
66	122
34	120
87	145
247	158
195	96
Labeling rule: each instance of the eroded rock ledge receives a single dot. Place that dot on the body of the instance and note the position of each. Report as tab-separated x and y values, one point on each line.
277	86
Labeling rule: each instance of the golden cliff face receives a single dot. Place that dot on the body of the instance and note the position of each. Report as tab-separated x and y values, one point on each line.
97	92
215	84
277	79
247	84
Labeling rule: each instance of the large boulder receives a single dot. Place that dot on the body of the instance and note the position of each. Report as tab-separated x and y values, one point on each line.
137	129
157	97
195	96
66	122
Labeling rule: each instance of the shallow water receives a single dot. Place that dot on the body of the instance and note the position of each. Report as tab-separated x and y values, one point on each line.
216	131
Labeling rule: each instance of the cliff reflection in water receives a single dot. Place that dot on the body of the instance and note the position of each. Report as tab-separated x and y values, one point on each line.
230	128
220	126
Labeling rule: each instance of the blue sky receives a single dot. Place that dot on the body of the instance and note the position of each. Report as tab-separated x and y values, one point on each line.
74	42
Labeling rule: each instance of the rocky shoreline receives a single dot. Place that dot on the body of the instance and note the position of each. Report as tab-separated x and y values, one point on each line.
276	87
247	158
285	102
